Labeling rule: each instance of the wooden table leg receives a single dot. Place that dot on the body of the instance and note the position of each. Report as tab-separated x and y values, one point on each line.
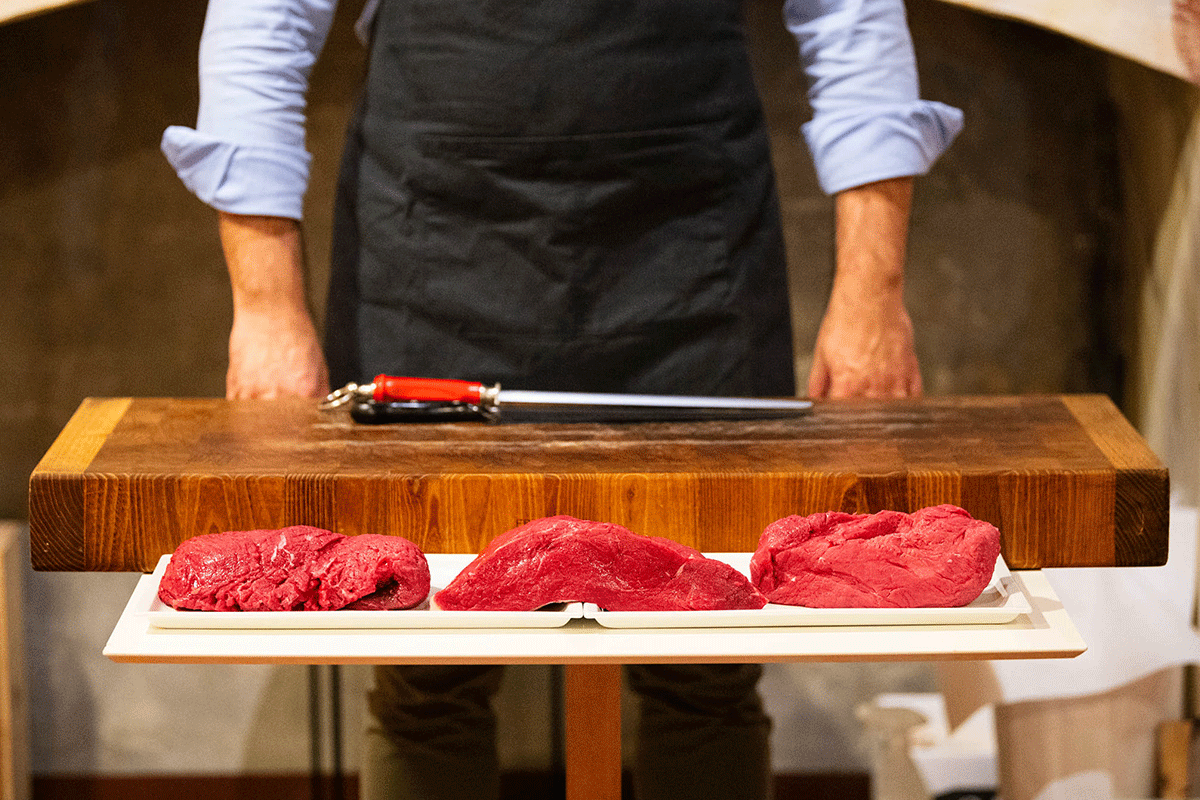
592	711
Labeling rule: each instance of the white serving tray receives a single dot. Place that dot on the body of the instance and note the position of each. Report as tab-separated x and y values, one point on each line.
442	569
1001	601
1046	632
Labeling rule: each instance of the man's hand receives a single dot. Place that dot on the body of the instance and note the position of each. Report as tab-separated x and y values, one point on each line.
274	357
273	347
865	344
865	349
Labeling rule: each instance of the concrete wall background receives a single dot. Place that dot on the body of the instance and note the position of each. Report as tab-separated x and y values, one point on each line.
112	284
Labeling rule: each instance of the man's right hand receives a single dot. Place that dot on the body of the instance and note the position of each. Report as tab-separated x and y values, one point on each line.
273	346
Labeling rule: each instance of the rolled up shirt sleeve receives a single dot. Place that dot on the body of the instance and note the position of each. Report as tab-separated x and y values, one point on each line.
247	153
869	122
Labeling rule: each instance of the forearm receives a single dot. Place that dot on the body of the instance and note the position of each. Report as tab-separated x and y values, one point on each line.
273	347
865	346
265	257
872	239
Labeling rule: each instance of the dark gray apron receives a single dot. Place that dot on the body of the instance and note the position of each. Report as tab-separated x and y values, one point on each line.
561	194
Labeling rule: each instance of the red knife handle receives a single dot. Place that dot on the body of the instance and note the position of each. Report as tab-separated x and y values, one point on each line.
391	388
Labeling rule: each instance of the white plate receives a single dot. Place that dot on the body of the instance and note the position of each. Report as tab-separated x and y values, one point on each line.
1001	601
442	568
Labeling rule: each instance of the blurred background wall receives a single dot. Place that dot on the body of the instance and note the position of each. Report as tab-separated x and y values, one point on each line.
1032	246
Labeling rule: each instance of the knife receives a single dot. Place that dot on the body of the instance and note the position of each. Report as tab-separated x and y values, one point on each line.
401	399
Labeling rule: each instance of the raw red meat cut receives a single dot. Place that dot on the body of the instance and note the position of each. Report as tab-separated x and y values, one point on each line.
372	572
299	568
937	557
566	560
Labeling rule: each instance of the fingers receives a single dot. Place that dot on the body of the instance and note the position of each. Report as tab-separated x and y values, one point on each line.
858	354
818	379
824	383
274	357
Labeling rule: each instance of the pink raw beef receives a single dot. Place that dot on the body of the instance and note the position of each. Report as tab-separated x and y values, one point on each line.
937	557
299	568
565	560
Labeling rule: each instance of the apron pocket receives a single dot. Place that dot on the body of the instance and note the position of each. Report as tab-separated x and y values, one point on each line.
556	237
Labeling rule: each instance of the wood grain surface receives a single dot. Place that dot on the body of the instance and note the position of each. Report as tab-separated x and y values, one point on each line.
1066	479
592	731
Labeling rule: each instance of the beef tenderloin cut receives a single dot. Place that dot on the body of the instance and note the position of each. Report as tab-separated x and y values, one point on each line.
936	557
564	560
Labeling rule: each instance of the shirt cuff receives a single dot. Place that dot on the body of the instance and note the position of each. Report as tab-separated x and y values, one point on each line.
860	146
268	181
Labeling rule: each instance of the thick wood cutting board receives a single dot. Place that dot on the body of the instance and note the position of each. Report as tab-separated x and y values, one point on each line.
1066	479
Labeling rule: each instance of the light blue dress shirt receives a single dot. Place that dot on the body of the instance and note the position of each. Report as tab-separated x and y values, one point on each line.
247	153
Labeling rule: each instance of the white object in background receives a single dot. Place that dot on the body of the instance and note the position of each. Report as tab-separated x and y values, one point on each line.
959	760
13	10
1141	30
889	730
964	760
1091	785
1135	620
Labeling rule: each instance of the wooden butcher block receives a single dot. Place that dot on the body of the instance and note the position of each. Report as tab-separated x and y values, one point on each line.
1066	479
